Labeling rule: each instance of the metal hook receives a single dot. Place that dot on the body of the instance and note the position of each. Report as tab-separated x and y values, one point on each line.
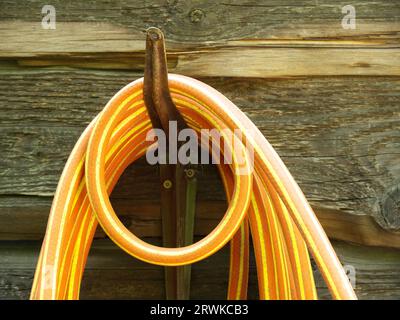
178	188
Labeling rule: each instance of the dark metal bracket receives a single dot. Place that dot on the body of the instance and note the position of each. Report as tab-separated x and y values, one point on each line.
178	182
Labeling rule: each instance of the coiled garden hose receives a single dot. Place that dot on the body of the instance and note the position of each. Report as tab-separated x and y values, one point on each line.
264	201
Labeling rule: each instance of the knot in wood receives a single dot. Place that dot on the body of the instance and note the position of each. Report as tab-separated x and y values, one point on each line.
390	208
196	15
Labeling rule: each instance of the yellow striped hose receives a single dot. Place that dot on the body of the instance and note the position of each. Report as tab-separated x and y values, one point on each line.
264	202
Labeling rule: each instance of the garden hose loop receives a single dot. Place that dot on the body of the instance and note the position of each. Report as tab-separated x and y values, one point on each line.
264	202
97	190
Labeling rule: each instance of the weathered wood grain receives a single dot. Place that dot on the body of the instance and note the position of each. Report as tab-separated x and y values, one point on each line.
360	229
376	270
338	136
25	218
112	273
201	22
261	39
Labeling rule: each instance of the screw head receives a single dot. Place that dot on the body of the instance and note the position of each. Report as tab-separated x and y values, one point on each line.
154	33
167	184
190	173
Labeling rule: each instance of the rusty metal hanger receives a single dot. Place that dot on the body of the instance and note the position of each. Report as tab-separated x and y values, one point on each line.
178	182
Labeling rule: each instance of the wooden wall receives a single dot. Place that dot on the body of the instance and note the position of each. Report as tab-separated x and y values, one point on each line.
327	98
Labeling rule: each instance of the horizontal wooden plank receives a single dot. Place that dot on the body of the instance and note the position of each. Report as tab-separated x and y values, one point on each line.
112	274
25	218
337	135
284	62
375	270
206	22
123	277
206	39
360	229
266	61
209	20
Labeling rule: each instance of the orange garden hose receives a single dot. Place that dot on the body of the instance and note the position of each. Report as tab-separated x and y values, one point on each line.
264	201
